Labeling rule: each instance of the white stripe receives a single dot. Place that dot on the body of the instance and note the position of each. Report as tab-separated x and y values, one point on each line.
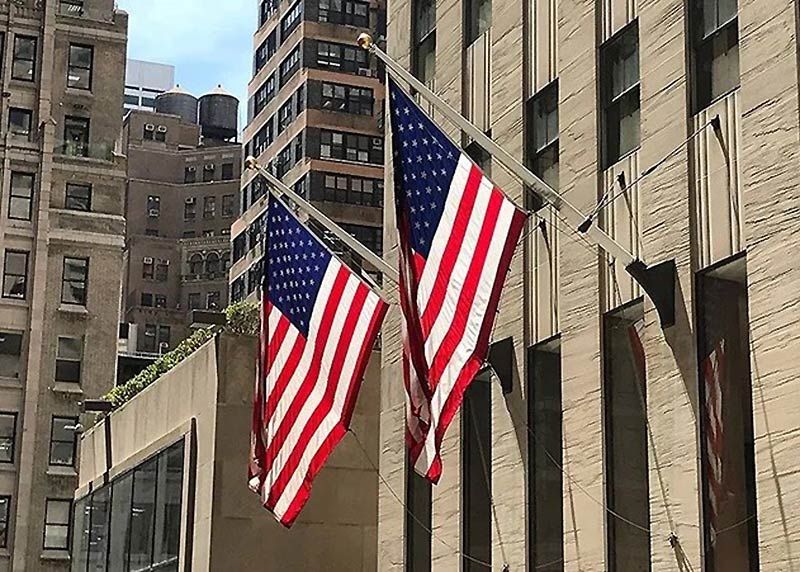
443	231
334	416
450	303
308	351
467	343
320	383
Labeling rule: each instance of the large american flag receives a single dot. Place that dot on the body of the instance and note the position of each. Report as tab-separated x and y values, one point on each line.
457	236
713	374
319	325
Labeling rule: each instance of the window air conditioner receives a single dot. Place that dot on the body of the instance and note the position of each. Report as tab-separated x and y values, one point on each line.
190	200
191	168
162	128
147	259
149	127
209	167
364	72
153	213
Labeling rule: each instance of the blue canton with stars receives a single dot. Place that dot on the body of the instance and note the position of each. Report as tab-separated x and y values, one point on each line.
296	263
425	161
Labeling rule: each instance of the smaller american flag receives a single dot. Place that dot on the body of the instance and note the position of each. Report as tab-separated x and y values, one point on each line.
457	233
319	325
713	375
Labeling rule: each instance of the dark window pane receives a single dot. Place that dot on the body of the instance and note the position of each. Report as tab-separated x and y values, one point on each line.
80	540
8	429
98	532
78	197
418	521
168	506
5	510
74	278
15	275
19	121
143	516
57	521
21	196
10	352
63	438
24	64
120	522
76	136
619	60
79	74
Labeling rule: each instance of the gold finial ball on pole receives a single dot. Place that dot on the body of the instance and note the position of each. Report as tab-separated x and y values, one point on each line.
365	41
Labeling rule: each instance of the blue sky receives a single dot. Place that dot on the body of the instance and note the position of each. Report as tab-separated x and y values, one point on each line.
206	43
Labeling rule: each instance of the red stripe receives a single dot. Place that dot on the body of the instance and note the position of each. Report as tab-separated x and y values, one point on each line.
324	331
283	377
441	285
331	380
463	313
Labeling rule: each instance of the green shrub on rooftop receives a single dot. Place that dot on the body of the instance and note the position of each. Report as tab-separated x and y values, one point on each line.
242	318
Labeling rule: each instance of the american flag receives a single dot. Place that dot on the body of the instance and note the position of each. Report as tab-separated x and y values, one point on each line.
319	325
713	374
457	233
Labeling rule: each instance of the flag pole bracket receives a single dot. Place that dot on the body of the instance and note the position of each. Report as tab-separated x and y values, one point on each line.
658	282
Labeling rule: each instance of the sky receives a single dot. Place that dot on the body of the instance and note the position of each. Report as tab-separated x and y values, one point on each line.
206	43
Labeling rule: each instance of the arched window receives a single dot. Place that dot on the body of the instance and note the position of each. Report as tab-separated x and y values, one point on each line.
212	263
196	264
226	261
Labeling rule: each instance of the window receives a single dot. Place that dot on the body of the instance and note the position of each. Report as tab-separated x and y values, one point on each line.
76	136
369	236
347	99
353	190
728	472
289	65
189	234
265	52
162	270
10	354
625	420
341	57
227	171
196	264
20	199
418	521
267	9
212	300
263	95
291	20
194	301
156	337
190	174
56	524
78	197
423	57
239	246
147	299
68	359
5	509
79	74
161	132
208	173
8	436
715	48
134	522
71	7
545	516
212	264
228	205
351	147
160	301
24	64
148	268
15	275
63	440
542	126
476	478
478	15
73	280
190	209
349	12
238	289
19	121
153	206
209	207
619	61
148	132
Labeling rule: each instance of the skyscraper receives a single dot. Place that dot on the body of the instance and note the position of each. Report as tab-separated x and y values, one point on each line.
144	81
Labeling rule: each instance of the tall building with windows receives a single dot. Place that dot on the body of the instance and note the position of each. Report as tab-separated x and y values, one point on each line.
184	166
144	81
62	231
315	120
609	442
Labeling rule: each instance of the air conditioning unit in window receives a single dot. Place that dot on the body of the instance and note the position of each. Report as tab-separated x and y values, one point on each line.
191	168
149	127
164	261
153	213
377	141
162	128
147	259
209	167
190	200
366	72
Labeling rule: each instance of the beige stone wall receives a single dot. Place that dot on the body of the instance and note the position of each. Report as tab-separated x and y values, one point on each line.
695	208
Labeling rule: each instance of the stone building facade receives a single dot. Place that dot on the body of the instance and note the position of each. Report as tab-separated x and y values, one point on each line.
183	193
315	115
590	458
61	237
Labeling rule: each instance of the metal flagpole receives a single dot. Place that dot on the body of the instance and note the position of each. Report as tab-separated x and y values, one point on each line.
276	184
658	281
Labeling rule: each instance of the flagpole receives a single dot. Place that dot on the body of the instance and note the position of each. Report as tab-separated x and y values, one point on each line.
657	280
276	184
